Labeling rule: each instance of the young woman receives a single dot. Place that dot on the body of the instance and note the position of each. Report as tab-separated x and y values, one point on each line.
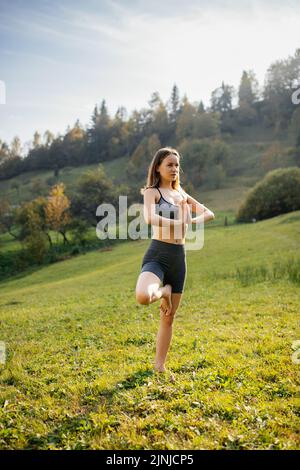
167	209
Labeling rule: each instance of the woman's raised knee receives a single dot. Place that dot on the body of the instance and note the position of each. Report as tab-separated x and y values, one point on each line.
143	298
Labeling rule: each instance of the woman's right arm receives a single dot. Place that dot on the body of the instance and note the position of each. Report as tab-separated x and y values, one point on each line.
149	212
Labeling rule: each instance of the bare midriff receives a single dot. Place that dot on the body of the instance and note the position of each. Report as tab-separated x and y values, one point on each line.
166	234
170	234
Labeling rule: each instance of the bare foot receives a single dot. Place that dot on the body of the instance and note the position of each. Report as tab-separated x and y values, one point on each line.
166	304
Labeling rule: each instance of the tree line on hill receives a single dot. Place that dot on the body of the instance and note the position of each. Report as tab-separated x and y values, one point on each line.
199	133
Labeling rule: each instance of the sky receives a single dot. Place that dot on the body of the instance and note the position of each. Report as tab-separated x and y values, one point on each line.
58	58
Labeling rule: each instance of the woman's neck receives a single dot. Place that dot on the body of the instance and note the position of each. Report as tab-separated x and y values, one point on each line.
166	186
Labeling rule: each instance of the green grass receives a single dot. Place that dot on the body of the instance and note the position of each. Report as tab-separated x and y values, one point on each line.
78	373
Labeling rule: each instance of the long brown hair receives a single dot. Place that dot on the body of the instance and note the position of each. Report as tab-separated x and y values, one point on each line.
153	178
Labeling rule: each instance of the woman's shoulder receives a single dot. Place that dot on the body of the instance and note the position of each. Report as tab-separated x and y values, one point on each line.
151	191
149	188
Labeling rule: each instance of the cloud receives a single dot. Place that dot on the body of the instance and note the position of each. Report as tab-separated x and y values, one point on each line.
69	55
31	55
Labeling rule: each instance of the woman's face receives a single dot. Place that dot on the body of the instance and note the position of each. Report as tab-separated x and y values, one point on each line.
169	168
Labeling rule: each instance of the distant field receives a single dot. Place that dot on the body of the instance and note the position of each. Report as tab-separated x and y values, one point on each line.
223	199
78	371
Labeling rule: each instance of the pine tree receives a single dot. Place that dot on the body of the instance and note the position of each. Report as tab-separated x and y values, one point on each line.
248	88
174	103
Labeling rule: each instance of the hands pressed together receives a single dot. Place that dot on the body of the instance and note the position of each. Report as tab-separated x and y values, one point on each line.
186	212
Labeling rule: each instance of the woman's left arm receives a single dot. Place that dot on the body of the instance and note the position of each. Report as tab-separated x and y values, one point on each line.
198	208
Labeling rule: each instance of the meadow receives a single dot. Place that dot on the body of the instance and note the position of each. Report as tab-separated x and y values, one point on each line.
79	349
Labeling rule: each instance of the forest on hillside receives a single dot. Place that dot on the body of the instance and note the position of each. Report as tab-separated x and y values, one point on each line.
202	134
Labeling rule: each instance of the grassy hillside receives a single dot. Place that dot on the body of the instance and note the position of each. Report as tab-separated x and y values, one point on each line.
67	175
78	373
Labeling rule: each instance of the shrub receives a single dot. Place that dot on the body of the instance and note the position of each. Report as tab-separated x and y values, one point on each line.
277	193
36	247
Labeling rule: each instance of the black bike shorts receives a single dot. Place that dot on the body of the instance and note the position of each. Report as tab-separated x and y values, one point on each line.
168	262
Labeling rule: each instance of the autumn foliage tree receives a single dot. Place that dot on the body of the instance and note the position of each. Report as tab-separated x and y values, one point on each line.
56	211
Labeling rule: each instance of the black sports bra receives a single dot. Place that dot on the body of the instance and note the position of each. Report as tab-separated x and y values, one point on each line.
165	208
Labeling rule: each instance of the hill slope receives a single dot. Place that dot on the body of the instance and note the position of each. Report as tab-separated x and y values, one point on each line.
79	350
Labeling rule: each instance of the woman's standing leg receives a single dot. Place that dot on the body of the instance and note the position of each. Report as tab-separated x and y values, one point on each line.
164	335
